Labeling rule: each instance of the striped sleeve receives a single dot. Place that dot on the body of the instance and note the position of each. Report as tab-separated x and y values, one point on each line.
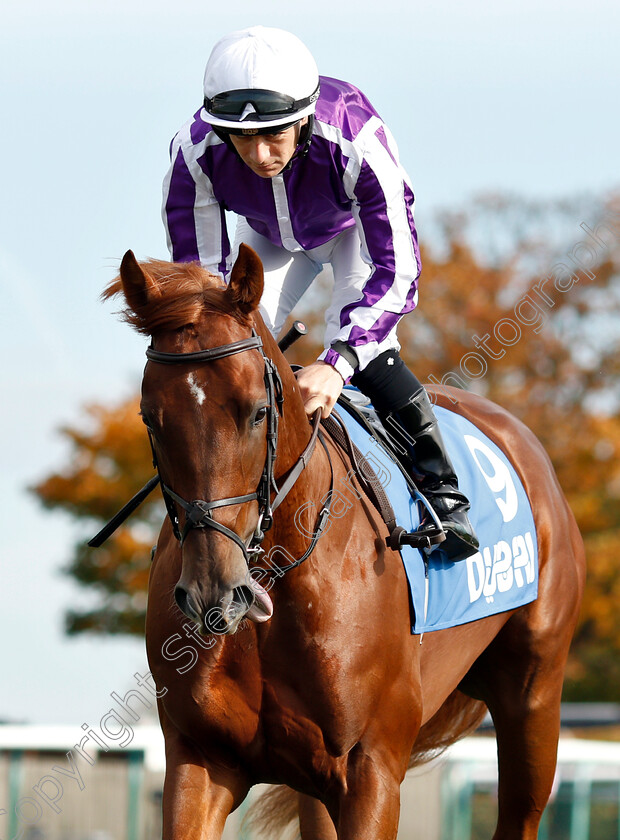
382	205
195	222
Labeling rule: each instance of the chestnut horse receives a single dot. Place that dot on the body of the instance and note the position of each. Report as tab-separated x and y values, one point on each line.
311	678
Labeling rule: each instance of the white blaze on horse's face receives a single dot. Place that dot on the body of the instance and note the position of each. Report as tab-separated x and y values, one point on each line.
196	391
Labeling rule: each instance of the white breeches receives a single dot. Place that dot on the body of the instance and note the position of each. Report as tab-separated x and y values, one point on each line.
289	274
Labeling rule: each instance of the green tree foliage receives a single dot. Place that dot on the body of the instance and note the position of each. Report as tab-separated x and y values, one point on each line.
520	302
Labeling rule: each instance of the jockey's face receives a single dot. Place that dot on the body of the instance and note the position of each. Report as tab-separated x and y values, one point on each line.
268	154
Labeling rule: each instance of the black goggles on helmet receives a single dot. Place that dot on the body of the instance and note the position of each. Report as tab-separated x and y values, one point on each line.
267	104
236	129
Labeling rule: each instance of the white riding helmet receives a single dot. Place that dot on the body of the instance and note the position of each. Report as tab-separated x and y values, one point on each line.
259	78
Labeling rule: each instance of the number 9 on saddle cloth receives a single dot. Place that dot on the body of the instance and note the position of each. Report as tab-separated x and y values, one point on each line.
503	575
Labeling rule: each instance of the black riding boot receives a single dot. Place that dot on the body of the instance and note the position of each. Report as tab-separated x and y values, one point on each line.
434	473
407	414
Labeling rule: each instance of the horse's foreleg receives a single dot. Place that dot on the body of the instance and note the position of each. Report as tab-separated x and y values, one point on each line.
315	822
196	803
198	796
370	807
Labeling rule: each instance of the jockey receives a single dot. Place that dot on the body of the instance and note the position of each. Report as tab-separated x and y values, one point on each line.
314	177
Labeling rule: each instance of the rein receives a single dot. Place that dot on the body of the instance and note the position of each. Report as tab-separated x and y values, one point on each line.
199	513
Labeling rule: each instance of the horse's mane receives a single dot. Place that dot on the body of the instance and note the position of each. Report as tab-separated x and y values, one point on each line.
187	290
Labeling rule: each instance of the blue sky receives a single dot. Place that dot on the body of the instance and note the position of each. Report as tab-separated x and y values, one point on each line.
515	96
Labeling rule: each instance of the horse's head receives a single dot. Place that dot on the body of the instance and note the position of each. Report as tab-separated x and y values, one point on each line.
209	417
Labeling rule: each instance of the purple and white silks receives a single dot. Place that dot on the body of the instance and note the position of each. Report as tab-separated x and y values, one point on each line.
351	177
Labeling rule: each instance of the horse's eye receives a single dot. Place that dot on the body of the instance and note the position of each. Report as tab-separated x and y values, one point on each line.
148	421
260	415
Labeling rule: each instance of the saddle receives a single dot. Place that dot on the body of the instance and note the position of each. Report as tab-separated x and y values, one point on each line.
430	532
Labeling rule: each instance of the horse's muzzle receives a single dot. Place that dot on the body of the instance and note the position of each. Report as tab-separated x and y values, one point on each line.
249	600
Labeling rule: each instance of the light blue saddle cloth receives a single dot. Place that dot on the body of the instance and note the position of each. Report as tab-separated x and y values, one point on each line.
504	574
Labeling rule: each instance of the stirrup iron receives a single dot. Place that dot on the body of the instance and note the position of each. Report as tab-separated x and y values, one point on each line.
427	536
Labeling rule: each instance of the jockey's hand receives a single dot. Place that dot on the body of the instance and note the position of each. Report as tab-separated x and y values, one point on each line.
320	385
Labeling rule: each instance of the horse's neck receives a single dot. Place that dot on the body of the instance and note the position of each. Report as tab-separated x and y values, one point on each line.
294	432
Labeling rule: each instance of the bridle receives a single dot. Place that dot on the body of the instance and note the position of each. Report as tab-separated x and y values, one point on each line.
199	513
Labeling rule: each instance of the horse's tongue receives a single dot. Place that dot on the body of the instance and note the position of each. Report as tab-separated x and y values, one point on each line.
262	608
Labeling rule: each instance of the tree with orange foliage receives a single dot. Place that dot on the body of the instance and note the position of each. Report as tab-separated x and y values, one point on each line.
109	462
518	302
535	330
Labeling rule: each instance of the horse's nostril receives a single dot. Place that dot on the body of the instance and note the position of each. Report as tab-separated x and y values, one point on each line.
244	595
184	602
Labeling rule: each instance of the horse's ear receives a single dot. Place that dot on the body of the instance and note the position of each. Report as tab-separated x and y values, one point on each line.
246	280
138	285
